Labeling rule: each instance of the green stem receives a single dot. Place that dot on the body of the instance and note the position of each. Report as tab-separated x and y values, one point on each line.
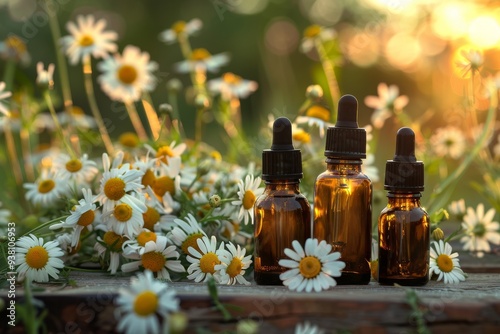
61	62
85	270
331	78
136	121
44	225
8	77
59	129
89	89
199	124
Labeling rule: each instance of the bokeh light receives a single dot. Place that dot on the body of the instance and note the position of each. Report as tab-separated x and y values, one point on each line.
484	32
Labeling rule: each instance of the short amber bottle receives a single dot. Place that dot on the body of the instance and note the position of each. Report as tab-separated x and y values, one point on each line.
282	213
403	225
343	196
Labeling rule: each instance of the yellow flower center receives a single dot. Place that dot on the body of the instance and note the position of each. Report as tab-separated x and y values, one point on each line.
179	27
162	185
302	137
153	261
208	262
191	241
37	257
86	40
216	155
86	218
145	303
129	139
200	54
310	267
114	241
151	217
231	78
74	165
444	263
16	44
312	31
164	152
145	236
122	212
148	179
248	200
234	268
76	111
46	186
127	74
317	111
114	189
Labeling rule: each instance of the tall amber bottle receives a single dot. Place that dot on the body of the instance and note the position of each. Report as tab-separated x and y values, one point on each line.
343	195
403	225
282	213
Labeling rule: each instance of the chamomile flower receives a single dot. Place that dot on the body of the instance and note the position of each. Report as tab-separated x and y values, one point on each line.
385	104
14	48
203	262
125	77
3	95
110	248
449	142
126	216
231	85
471	61
233	264
480	230
45	78
88	38
311	267
77	118
140	305
82	215
186	233
316	115
47	189
139	242
78	169
166	152
116	183
445	263
307	328
248	192
315	33
38	260
157	257
457	209
202	60
180	28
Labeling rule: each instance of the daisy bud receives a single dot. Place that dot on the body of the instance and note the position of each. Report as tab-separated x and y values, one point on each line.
204	167
174	85
314	92
247	326
165	109
201	101
177	322
215	201
438	234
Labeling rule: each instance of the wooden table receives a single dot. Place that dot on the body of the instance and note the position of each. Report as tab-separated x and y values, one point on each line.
472	306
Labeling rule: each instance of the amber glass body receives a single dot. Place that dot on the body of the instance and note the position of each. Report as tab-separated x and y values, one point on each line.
282	215
404	241
343	216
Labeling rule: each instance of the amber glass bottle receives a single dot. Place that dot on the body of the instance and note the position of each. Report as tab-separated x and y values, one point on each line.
403	225
282	213
343	196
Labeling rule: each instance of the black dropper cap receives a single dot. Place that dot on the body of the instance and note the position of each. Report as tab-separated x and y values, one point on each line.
282	161
404	172
346	139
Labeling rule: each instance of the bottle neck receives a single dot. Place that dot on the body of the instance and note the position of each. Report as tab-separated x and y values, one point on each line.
335	164
292	185
397	197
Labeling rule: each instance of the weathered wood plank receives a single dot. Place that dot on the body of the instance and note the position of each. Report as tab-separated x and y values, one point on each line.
471	306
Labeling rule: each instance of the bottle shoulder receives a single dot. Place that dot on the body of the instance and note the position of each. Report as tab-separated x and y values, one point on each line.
297	200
